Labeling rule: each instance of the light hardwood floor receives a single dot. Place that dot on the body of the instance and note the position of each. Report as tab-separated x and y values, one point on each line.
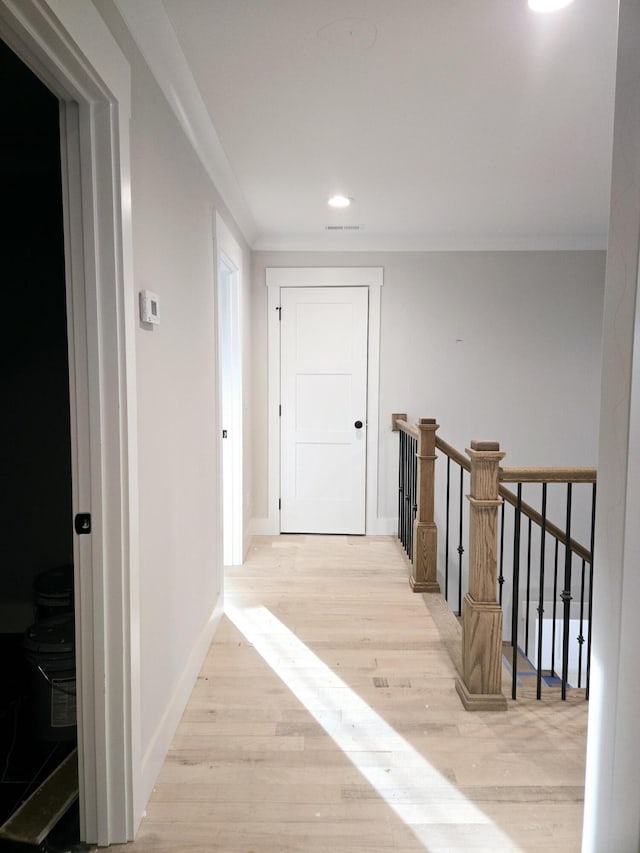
326	719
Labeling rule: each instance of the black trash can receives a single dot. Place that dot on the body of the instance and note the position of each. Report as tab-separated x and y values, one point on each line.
53	592
49	648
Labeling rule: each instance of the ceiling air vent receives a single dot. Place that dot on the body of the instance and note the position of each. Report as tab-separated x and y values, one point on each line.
344	227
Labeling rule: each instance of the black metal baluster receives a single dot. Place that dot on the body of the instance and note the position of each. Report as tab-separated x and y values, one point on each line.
590	609
580	634
543	533
446	535
417	486
526	636
402	474
400	484
555	609
407	486
501	575
460	546
413	497
404	495
407	490
414	489
566	597
515	592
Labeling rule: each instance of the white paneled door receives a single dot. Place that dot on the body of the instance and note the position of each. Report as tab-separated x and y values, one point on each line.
323	392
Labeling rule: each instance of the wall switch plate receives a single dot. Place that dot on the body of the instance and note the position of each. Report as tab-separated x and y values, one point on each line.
149	307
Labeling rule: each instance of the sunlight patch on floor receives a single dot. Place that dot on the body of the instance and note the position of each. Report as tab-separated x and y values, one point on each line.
418	794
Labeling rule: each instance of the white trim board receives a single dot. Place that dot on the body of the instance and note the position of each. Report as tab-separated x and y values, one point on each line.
227	249
69	47
276	278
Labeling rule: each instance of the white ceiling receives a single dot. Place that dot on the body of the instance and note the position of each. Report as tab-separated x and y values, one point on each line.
454	124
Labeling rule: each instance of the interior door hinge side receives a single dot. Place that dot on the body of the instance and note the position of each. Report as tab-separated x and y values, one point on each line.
279	503
280	410
279	310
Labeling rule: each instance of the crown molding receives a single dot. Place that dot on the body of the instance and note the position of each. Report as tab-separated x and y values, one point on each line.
152	31
368	242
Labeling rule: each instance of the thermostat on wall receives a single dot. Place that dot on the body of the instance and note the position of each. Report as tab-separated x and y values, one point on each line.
149	307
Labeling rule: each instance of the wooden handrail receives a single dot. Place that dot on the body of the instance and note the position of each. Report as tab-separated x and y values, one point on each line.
405	426
533	475
454	454
550	527
548	475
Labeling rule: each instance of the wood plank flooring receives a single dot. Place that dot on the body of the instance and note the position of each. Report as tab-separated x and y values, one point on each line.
326	719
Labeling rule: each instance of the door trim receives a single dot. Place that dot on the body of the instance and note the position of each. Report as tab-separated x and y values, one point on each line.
69	47
229	253
276	278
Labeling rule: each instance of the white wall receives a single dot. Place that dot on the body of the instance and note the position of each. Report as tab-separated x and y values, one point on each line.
612	792
495	345
179	430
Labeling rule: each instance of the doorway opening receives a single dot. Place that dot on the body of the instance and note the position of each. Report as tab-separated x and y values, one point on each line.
38	730
231	397
77	59
279	279
323	415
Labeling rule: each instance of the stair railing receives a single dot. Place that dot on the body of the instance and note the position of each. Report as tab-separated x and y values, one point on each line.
486	573
416	492
559	551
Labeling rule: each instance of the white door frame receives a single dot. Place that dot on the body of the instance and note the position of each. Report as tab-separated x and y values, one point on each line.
229	255
276	278
69	47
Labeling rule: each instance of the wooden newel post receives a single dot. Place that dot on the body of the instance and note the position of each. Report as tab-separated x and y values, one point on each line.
425	533
481	685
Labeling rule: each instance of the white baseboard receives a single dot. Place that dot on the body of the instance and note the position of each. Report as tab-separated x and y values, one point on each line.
381	527
163	735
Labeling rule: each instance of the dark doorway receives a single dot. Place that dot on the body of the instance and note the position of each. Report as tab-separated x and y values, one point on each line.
35	502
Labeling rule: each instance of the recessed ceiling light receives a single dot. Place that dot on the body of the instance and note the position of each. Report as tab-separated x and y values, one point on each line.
548	5
339	201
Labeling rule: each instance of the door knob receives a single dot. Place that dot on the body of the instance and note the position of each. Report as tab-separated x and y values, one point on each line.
358	424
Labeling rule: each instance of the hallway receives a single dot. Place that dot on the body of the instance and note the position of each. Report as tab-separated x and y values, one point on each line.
326	719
